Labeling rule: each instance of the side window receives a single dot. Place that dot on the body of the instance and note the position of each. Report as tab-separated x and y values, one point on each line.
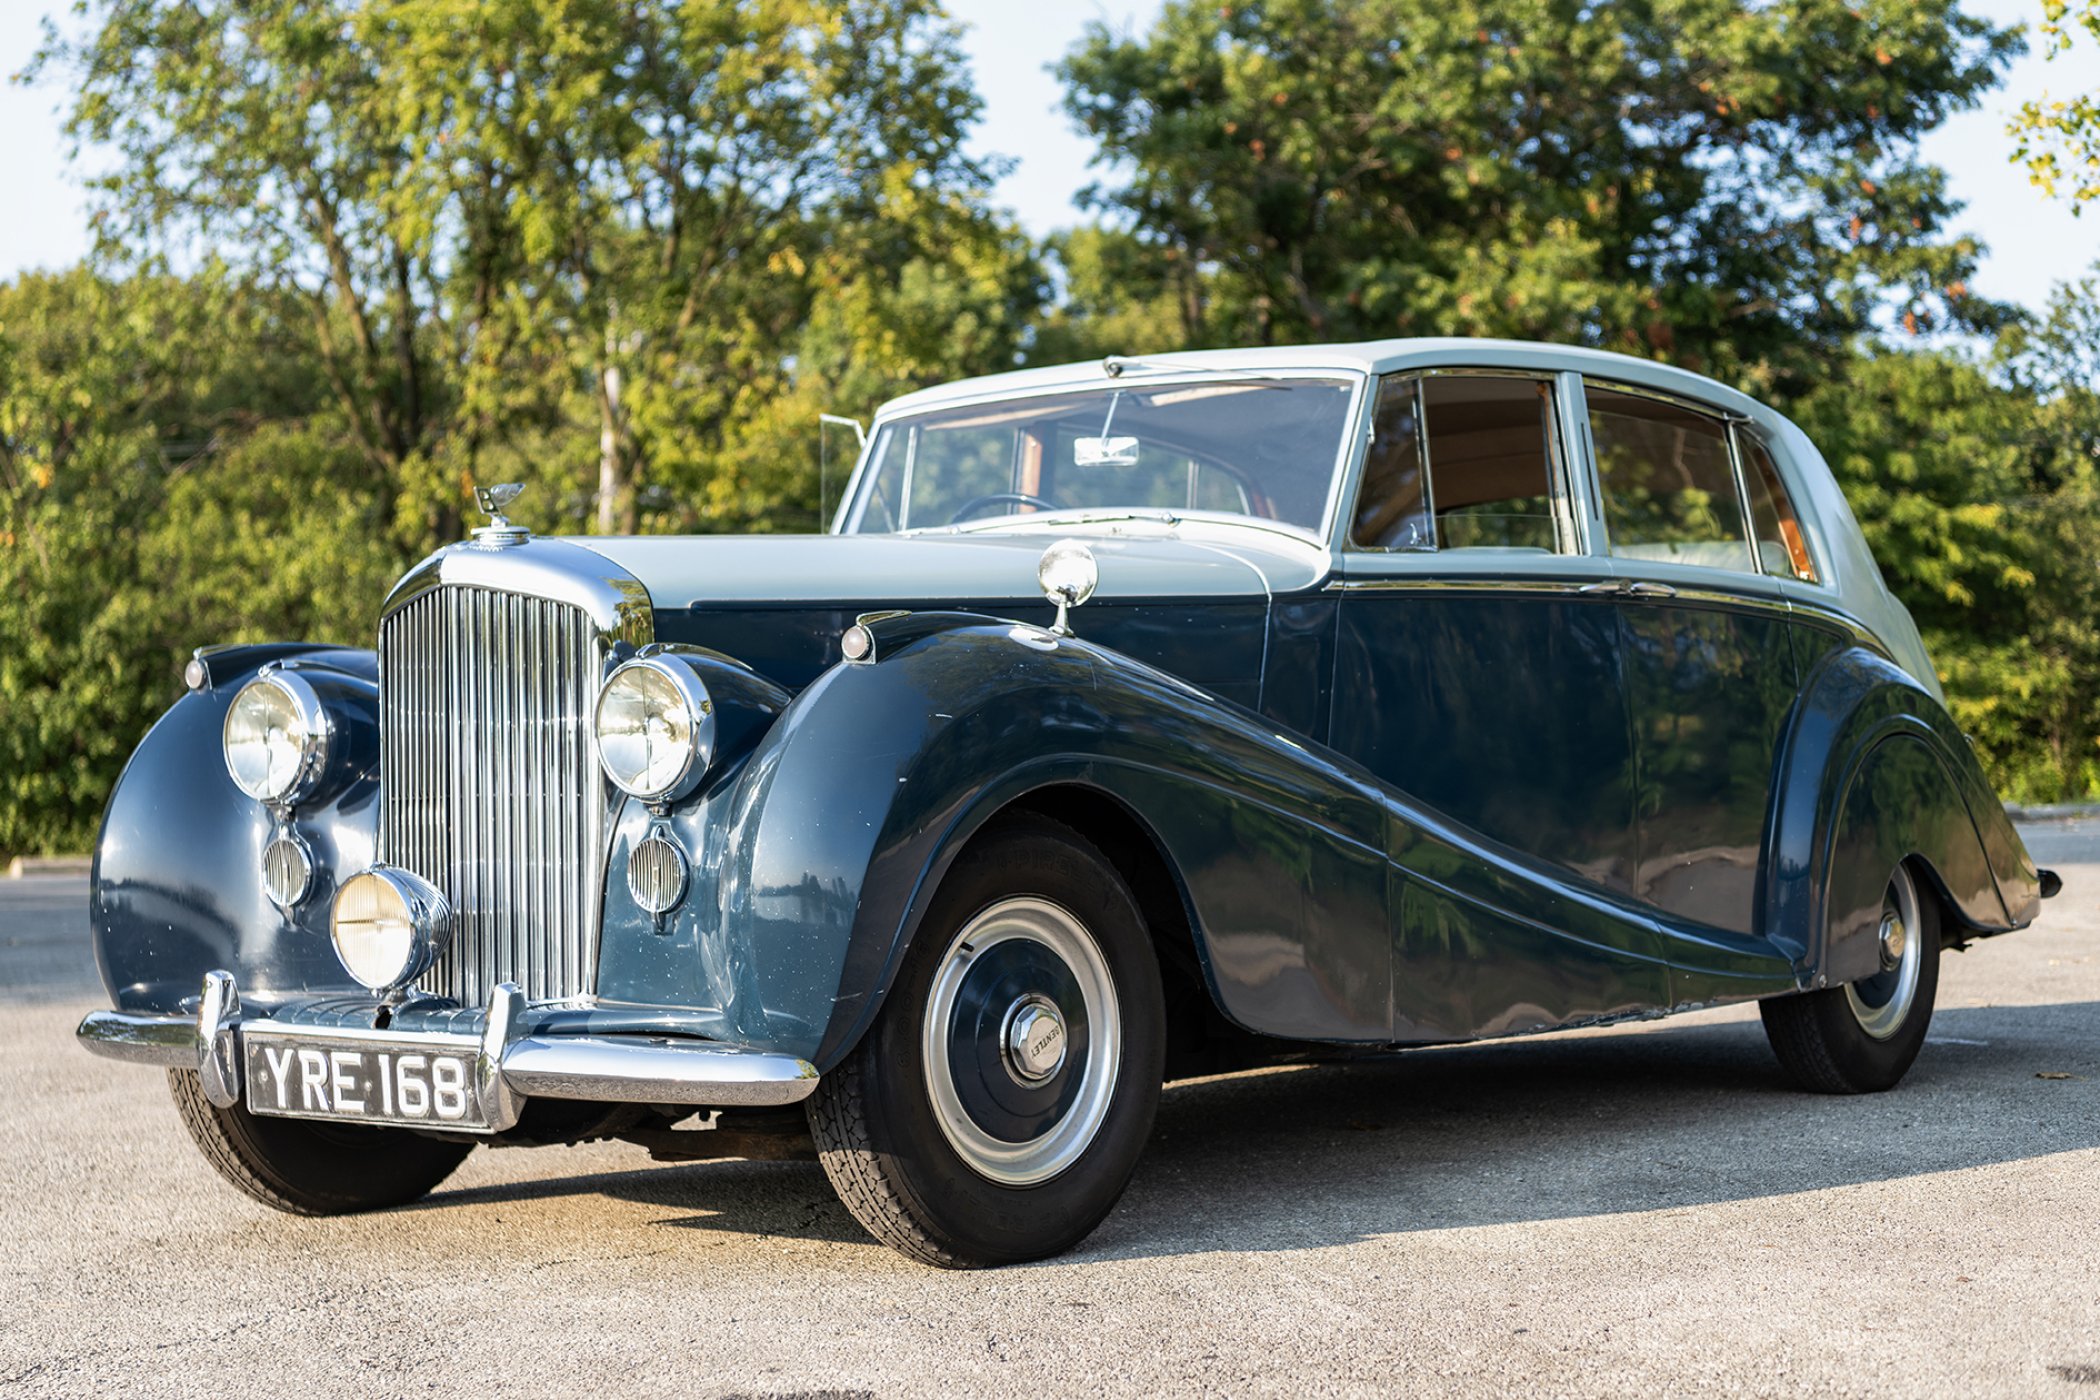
1781	547
1392	511
1459	461
1668	482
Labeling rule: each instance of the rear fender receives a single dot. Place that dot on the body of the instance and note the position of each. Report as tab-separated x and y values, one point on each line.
1874	772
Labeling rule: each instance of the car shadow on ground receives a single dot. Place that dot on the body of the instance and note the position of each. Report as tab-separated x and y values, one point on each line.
1530	1130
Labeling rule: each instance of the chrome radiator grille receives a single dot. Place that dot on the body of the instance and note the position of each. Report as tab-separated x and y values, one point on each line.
489	786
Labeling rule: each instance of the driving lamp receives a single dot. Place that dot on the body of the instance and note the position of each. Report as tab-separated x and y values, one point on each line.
1068	576
655	725
388	927
276	737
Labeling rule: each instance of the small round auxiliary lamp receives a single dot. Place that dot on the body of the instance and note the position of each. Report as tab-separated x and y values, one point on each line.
1068	575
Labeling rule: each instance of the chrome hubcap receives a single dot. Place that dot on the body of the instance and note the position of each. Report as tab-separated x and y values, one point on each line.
1882	1003
1035	1039
1022	1041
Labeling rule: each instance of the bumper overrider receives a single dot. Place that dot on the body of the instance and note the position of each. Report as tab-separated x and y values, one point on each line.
509	1065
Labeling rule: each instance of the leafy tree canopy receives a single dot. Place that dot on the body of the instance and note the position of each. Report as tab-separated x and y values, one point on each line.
2059	137
1732	186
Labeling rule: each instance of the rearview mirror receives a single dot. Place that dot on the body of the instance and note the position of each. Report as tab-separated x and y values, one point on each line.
1105	452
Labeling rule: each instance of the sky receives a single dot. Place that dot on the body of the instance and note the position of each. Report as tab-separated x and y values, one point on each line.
2033	242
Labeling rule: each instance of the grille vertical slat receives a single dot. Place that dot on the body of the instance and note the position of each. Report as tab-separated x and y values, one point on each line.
489	788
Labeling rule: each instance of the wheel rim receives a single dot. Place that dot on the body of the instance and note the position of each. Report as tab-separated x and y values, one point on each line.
1882	1003
1022	1041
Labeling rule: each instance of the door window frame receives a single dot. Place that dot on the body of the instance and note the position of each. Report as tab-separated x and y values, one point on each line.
1705	578
1566	467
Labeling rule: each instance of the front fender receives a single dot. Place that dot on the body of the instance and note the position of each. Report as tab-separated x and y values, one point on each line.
1874	772
813	862
176	889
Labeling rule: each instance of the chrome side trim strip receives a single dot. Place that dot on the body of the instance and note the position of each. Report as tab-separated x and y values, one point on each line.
1447	583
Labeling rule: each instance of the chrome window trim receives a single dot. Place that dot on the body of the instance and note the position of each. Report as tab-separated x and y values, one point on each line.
1348	456
1561	491
1728	423
1744	427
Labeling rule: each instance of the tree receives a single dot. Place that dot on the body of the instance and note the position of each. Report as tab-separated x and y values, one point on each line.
533	236
1977	482
2059	139
1731	185
169	476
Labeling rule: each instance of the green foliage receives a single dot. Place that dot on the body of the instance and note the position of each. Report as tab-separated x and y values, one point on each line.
2058	138
1732	186
155	495
1978	487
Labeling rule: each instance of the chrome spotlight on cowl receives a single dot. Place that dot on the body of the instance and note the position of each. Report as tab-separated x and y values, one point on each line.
1068	575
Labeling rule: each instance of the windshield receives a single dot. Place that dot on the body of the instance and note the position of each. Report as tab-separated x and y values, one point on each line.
1265	448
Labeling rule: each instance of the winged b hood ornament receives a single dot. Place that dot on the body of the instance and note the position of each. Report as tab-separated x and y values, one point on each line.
494	500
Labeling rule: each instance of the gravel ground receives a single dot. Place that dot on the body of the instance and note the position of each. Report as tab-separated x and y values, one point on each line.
1646	1208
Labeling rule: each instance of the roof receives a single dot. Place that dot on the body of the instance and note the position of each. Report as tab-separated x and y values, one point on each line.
1360	357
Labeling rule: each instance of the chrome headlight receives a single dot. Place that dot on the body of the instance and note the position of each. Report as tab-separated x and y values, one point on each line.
276	737
388	927
655	726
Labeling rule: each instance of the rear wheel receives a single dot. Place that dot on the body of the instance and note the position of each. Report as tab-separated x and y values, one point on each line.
997	1108
1861	1038
313	1168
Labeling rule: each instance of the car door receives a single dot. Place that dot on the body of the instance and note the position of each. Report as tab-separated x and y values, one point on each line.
1711	672
1478	672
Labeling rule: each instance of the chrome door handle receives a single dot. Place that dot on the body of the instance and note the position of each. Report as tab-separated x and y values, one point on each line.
1650	590
1607	587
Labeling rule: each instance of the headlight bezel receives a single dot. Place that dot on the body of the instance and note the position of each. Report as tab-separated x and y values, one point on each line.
425	913
699	705
318	733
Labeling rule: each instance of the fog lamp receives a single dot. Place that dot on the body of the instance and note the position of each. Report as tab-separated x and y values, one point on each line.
388	927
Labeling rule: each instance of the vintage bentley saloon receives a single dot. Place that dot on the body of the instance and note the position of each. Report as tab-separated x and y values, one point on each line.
1135	720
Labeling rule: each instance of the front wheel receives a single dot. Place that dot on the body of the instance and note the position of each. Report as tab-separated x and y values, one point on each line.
306	1168
995	1111
1861	1038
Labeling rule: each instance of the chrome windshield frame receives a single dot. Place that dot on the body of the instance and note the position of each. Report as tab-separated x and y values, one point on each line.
853	507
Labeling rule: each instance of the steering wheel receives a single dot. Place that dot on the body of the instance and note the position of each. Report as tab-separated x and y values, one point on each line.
976	504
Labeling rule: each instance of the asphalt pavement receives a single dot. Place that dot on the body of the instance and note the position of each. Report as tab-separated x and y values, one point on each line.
1646	1209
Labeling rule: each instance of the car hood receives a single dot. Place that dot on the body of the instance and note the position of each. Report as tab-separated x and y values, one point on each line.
711	570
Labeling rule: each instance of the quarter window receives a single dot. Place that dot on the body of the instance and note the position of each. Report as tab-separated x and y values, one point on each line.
1781	547
1459	462
1668	483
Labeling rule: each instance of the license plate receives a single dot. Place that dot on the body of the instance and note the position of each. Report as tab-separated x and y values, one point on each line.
366	1079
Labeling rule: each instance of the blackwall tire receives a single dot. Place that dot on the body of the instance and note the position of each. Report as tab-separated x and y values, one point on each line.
1862	1038
996	1110
305	1168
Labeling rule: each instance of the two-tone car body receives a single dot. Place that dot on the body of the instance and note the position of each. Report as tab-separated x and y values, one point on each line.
1422	691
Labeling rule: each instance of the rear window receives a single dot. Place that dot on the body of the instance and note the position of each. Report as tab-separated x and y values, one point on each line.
1782	548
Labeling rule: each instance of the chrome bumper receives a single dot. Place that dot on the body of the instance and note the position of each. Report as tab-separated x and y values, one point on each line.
510	1066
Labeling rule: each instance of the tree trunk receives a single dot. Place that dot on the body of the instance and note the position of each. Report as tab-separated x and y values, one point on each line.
608	448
